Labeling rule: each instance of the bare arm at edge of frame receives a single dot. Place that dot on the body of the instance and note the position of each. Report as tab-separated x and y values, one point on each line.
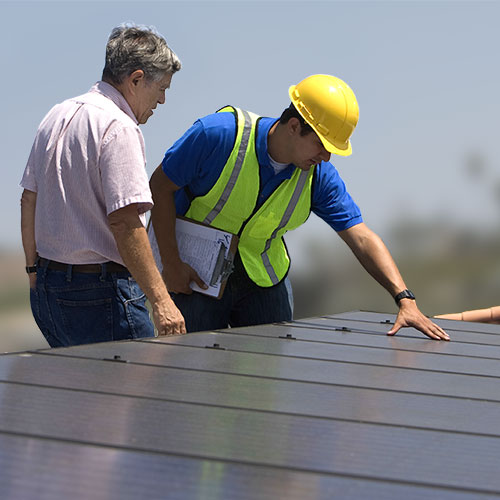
28	207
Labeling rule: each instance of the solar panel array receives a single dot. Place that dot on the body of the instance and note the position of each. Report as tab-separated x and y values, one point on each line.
320	408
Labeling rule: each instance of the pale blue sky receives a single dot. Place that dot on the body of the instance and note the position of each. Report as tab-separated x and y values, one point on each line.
426	75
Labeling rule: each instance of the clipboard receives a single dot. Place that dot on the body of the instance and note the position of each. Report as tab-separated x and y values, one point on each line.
208	250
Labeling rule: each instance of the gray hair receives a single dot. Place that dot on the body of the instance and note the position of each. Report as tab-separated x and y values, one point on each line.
131	47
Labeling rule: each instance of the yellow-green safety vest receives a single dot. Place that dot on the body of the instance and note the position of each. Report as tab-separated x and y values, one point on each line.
231	206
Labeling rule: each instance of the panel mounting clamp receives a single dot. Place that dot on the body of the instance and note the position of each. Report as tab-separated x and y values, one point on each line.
116	358
343	329
215	346
288	336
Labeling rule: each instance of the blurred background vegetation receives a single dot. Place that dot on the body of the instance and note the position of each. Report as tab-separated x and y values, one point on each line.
448	269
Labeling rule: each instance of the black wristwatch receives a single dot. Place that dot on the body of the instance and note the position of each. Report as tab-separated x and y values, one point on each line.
31	269
405	294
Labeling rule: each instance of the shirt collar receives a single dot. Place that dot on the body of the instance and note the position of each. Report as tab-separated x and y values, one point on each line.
116	96
263	127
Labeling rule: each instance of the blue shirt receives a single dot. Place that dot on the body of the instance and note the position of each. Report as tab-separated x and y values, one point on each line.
197	159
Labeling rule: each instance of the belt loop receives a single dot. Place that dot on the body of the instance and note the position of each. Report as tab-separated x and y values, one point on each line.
43	266
69	270
103	272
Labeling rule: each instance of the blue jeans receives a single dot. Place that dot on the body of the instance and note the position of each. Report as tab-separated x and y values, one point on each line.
243	304
81	308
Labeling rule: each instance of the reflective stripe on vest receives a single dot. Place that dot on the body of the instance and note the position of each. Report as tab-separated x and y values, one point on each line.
231	205
284	221
232	199
262	249
247	128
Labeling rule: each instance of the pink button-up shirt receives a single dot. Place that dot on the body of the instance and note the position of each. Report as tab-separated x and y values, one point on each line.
88	160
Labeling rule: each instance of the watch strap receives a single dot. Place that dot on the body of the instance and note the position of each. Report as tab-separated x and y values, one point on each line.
30	269
405	294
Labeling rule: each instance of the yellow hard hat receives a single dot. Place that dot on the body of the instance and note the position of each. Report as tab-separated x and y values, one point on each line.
329	106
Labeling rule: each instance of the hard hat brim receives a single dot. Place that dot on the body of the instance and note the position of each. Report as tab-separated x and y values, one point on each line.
332	148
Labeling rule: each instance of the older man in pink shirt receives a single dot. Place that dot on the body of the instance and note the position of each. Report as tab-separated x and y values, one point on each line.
85	195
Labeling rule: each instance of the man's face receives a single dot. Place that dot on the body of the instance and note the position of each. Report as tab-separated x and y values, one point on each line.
148	95
308	150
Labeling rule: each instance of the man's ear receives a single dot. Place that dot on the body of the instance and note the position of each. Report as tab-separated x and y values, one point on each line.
293	126
136	77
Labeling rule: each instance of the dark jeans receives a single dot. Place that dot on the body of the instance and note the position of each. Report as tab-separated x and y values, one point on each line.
80	308
242	304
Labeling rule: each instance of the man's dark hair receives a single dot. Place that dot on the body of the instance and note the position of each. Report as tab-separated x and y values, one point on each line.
291	112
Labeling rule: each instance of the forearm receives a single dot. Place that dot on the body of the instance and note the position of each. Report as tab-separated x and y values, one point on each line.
133	244
376	259
374	256
28	206
177	274
135	250
163	216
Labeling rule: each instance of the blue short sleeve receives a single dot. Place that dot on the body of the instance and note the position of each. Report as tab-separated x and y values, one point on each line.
331	201
181	161
198	157
196	160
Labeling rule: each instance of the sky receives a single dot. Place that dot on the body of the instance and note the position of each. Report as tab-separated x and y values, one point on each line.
426	75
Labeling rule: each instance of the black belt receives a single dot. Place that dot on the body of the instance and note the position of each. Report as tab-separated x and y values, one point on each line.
111	267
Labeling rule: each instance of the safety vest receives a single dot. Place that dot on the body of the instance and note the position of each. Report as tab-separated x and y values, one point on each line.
231	205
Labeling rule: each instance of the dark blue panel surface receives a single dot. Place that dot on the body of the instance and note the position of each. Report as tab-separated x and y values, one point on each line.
315	409
32	468
296	443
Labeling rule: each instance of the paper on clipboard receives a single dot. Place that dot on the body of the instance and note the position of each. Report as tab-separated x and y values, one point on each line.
209	251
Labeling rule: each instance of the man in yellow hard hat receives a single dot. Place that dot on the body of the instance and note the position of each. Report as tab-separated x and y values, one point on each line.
259	177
